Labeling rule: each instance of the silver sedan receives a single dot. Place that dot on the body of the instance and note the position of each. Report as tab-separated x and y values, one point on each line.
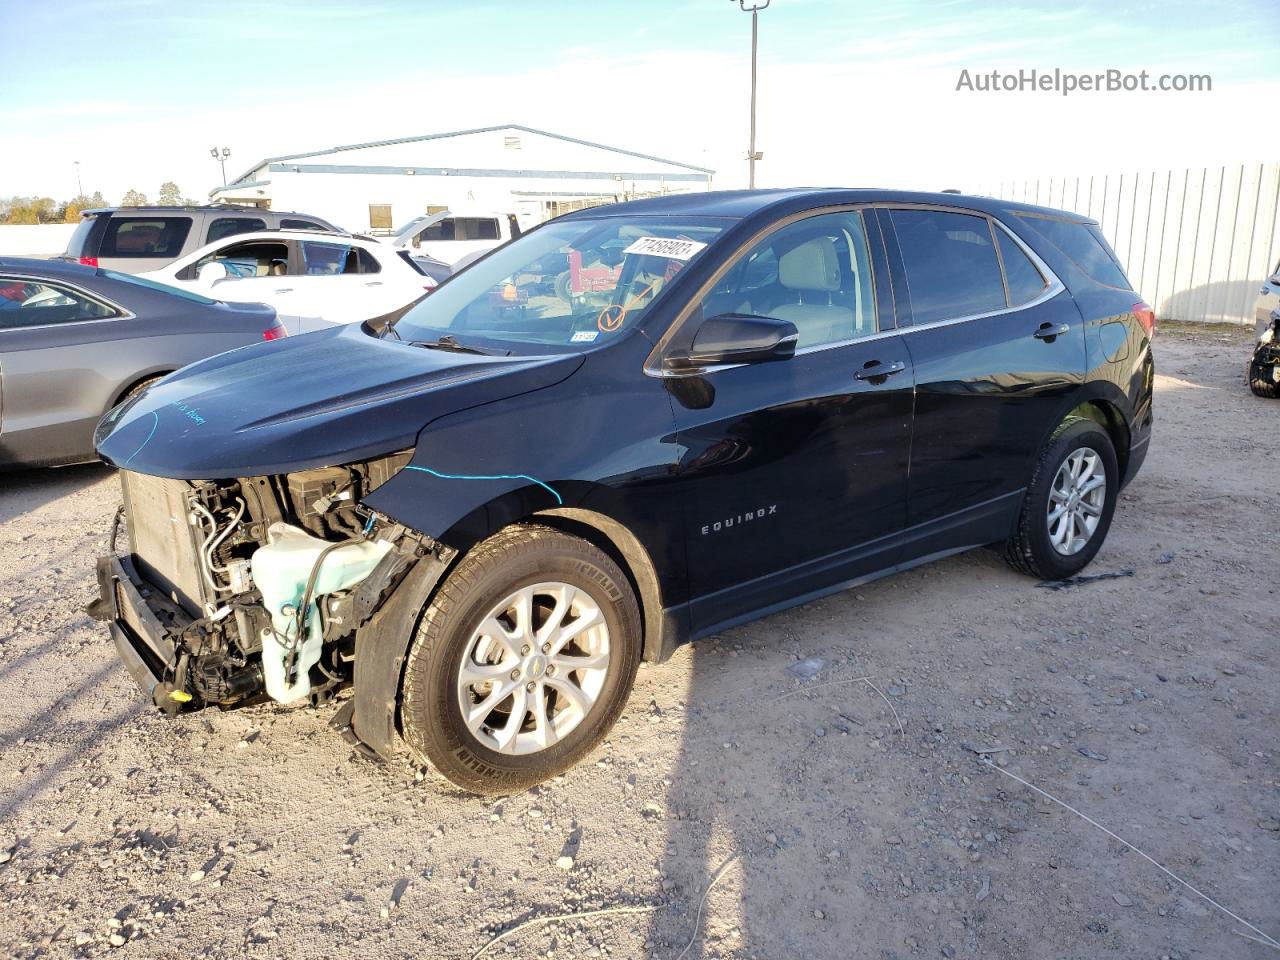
77	340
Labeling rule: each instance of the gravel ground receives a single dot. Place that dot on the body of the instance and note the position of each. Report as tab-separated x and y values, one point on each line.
1147	702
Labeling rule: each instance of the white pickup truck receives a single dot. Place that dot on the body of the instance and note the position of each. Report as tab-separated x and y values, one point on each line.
456	238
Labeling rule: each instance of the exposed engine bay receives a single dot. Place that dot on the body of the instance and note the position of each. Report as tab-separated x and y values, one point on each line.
258	584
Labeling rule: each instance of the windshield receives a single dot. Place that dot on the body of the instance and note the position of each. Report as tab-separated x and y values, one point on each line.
566	285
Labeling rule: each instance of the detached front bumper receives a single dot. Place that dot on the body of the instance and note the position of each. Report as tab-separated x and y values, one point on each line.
136	618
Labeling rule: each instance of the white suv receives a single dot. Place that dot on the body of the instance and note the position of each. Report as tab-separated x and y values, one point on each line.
312	279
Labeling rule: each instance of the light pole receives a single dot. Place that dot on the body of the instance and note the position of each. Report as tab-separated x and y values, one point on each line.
79	185
221	157
752	154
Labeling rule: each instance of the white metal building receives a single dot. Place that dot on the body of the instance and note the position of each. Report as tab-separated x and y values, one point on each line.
506	169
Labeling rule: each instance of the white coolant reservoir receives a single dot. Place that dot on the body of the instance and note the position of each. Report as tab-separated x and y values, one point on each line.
280	570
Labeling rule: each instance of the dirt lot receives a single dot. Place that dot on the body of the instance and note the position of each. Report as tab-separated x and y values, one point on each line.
1147	702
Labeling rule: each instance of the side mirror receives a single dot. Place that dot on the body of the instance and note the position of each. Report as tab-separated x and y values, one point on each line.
741	338
212	272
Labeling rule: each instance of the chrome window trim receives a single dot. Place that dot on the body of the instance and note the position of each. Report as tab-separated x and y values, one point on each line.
121	312
1050	278
1053	287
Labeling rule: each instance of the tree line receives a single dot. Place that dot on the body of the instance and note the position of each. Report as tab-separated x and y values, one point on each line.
48	210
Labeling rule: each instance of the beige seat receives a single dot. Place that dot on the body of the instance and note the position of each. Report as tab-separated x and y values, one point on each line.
811	274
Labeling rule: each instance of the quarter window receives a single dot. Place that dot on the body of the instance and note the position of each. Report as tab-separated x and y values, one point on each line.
324	259
31	303
290	224
951	264
815	273
161	237
1085	245
1025	281
230	226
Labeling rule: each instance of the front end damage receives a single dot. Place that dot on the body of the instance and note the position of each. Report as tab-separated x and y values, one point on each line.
238	591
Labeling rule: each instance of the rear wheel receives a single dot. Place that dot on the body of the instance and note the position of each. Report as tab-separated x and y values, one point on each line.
522	661
1067	510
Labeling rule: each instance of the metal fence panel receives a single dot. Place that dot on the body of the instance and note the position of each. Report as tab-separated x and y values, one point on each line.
1196	242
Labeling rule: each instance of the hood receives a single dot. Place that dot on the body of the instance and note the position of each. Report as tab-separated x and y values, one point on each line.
322	399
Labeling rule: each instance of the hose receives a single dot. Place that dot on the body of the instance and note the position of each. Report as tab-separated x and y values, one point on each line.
214	540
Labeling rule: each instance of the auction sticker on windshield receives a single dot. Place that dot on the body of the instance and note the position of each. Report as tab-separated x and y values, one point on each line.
670	247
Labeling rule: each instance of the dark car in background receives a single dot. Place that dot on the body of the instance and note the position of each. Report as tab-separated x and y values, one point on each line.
506	498
140	239
77	340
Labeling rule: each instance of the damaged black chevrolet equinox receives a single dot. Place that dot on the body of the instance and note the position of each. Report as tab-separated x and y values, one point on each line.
631	427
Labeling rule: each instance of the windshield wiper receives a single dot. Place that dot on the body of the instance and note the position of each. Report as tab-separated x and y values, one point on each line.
450	343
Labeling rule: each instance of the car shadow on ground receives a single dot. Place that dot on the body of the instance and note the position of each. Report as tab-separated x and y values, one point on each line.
22	491
790	841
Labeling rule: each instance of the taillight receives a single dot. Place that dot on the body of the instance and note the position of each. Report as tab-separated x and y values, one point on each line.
275	333
1146	316
89	261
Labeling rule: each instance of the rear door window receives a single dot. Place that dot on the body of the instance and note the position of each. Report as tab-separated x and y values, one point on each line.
951	264
1025	280
230	226
1084	244
145	237
33	303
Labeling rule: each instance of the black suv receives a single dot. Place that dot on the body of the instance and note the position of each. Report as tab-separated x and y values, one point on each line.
141	239
509	496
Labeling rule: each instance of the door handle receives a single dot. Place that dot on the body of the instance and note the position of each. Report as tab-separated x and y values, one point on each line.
374	283
285	290
875	370
1048	331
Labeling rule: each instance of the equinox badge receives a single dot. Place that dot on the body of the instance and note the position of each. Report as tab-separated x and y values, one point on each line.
739	519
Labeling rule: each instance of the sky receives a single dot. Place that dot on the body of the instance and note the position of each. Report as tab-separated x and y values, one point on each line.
851	92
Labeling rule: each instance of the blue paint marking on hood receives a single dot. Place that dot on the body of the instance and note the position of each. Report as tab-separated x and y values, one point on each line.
326	398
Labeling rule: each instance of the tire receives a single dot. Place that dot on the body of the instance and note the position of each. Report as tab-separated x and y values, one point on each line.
562	287
519	560
137	389
1261	382
1031	550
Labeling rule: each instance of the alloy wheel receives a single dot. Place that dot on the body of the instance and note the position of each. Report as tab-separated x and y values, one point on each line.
534	668
1076	501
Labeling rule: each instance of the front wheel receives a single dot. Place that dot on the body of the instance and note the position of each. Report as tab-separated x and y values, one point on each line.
1068	506
522	661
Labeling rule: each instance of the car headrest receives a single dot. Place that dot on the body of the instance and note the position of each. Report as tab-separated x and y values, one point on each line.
811	266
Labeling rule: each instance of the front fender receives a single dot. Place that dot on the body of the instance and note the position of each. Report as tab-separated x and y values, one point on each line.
382	645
